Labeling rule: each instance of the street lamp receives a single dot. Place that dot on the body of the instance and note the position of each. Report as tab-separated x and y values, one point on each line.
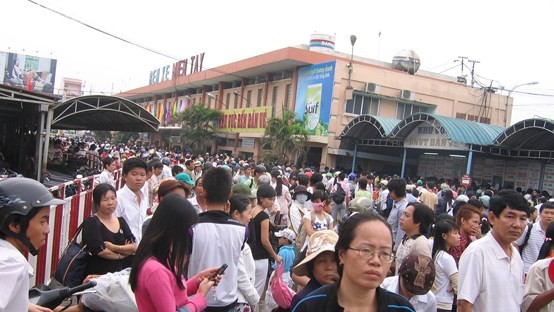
213	96
353	42
508	98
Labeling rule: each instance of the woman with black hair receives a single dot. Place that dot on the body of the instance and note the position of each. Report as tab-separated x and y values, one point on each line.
241	209
283	196
107	237
157	272
258	238
364	254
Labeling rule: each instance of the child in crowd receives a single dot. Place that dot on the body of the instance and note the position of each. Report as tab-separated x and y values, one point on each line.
447	234
286	251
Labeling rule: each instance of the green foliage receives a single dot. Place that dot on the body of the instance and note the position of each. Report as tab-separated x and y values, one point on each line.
285	138
198	126
102	136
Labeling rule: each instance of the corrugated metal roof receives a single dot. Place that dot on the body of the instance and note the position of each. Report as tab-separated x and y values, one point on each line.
468	132
387	123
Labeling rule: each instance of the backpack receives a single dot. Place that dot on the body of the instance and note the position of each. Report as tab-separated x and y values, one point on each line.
303	234
339	195
389	203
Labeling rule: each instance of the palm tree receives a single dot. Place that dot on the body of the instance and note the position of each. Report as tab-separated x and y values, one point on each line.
198	126
285	137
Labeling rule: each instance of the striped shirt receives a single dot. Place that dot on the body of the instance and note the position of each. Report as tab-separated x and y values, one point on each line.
531	250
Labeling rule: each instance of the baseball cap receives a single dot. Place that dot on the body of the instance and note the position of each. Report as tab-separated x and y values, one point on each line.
419	182
384	182
329	175
418	272
286	233
183	177
352	176
198	163
320	241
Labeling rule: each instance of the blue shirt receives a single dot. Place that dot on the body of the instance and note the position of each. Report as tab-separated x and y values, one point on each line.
287	253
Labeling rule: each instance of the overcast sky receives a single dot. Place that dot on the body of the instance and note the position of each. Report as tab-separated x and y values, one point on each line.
512	40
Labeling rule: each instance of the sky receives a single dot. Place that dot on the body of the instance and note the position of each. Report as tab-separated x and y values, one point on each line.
510	39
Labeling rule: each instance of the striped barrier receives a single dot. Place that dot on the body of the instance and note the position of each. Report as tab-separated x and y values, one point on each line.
64	221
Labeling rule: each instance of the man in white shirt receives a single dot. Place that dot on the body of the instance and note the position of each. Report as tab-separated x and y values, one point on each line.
106	176
491	271
24	215
414	281
532	243
132	202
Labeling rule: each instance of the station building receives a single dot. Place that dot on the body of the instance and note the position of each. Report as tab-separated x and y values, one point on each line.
362	114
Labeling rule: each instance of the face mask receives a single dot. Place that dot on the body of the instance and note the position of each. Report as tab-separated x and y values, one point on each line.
318	206
301	198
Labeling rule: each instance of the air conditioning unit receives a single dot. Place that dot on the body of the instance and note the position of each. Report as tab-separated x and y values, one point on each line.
407	95
372	87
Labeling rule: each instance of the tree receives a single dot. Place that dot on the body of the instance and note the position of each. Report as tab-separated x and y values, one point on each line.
286	137
198	126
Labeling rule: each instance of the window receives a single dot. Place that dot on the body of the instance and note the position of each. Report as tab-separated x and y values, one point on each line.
404	110
363	105
288	95
249	98
274	100
260	97
227	100
236	104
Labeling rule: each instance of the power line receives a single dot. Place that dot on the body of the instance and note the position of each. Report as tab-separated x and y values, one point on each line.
105	32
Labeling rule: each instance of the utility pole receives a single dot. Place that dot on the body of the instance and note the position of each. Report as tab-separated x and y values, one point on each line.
473	71
462	58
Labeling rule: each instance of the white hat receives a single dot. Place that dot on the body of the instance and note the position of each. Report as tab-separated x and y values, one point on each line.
462	198
286	233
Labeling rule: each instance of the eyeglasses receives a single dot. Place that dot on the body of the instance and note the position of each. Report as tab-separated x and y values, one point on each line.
368	253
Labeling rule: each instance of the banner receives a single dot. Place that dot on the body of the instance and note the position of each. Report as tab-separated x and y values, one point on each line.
28	72
314	96
251	120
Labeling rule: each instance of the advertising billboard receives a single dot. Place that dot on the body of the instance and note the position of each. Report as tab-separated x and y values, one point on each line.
28	72
314	95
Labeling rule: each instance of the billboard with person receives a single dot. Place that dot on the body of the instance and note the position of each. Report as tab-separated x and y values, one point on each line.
314	95
28	72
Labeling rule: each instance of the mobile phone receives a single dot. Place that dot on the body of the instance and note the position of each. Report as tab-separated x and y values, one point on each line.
220	271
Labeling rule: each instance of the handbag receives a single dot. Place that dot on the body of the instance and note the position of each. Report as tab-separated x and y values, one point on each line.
73	262
280	292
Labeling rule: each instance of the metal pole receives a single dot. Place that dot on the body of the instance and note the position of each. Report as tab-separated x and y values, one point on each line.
404	163
44	158
469	159
39	143
354	158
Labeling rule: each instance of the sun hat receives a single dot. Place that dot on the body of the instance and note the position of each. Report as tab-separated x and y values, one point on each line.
183	177
418	272
319	242
462	198
384	182
286	233
198	163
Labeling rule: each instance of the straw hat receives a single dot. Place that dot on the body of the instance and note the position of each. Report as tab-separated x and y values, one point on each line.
319	242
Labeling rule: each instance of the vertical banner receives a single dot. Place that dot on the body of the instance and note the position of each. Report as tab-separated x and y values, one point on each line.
548	181
534	174
314	96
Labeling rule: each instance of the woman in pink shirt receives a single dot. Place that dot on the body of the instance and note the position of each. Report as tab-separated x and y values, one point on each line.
157	272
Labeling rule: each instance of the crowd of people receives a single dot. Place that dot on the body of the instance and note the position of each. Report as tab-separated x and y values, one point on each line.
293	239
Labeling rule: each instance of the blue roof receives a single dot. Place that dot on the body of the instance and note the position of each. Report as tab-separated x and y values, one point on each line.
467	132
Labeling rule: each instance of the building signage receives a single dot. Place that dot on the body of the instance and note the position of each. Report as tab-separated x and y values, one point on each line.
476	118
314	95
429	137
247	143
252	119
184	67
